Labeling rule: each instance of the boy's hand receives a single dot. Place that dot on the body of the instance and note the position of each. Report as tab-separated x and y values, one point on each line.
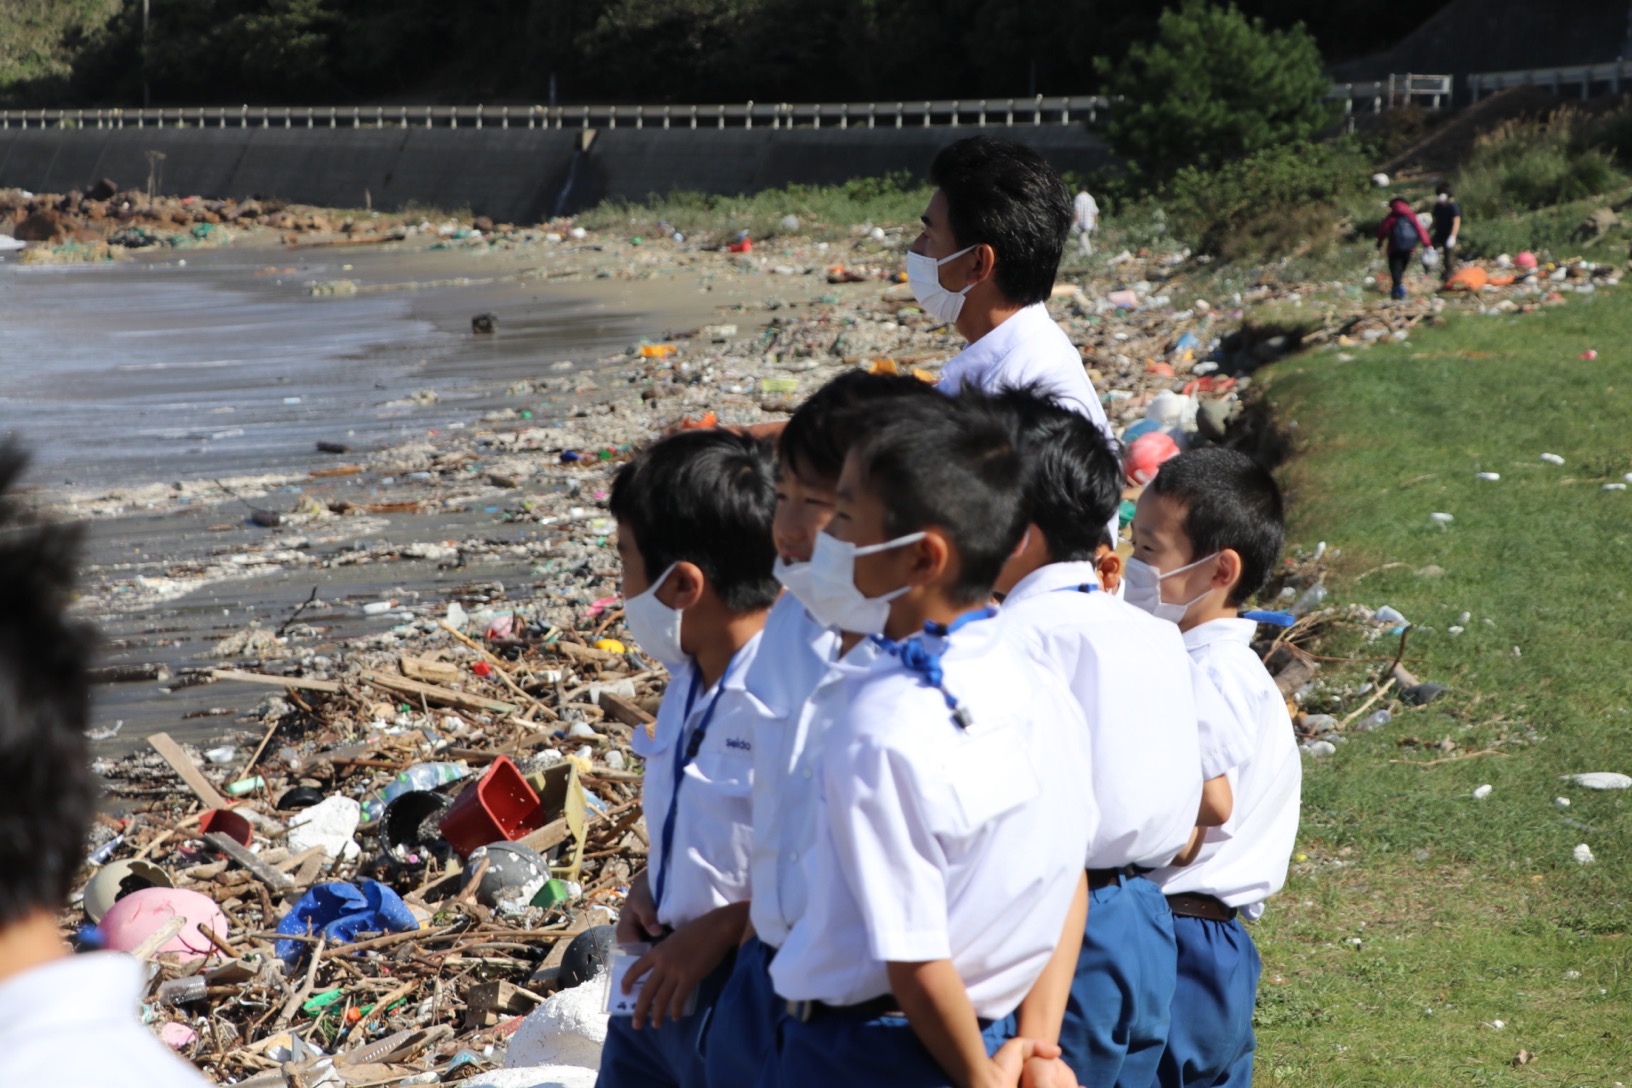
1047	1073
674	968
1014	1057
638	921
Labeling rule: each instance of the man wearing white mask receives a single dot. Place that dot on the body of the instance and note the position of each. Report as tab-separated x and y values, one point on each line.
985	263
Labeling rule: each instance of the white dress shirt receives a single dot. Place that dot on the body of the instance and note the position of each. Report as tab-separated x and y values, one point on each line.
791	675
1030	349
712	819
1120	664
71	1023
935	841
1244	862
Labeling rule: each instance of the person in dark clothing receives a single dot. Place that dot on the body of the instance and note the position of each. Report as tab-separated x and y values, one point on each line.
1447	225
1401	231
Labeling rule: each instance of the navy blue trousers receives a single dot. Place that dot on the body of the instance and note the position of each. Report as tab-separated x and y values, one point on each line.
744	1026
1210	1040
839	1051
1115	1025
667	1057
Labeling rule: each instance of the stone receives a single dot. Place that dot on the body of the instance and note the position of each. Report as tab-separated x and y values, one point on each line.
105	189
41	226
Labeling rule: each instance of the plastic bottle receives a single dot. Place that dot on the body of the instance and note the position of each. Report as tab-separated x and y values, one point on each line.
421	776
1375	720
180	991
1312	598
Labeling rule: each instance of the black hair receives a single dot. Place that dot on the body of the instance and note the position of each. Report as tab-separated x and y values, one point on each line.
819	433
1443	187
1007	196
706	497
1230	501
45	762
951	464
1070	474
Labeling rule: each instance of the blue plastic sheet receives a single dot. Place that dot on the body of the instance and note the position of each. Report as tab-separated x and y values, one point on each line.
340	911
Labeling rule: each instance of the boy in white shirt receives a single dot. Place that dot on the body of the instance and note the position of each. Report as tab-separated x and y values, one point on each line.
793	677
951	815
1121	665
694	536
1207	532
65	1020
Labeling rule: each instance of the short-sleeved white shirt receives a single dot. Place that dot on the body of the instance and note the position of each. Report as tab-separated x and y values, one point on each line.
712	821
1085	211
793	677
1120	663
937	842
71	1023
1244	862
1030	349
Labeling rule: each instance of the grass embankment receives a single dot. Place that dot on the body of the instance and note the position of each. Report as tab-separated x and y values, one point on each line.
1423	917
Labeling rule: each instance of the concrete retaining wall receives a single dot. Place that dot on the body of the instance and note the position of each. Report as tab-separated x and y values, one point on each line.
511	175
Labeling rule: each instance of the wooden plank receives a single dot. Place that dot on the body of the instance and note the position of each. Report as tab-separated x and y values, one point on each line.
267	875
435	694
434	672
298	682
621	709
172	754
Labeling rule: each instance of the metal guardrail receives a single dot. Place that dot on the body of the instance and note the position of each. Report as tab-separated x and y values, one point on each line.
1005	112
1586	76
1397	90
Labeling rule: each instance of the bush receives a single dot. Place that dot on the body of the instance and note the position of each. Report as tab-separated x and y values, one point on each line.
1281	200
1527	164
1212	87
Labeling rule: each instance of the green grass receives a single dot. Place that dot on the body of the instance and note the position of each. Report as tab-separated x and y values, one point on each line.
1473	909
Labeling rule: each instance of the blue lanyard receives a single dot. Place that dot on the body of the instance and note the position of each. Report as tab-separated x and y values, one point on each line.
682	760
1086	587
919	658
1277	619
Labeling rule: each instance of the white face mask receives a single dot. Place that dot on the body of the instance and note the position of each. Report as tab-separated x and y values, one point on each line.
655	625
924	277
1142	588
826	585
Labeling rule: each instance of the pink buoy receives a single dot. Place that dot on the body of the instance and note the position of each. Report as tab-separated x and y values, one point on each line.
1146	454
140	914
1525	260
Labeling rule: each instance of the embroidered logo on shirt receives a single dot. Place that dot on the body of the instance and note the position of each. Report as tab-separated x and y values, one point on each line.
739	744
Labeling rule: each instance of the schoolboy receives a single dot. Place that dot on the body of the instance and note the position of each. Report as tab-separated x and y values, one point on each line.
693	515
1124	668
1206	534
951	815
993	234
65	1020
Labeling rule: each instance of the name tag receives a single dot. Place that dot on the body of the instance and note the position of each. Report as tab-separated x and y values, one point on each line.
619	1003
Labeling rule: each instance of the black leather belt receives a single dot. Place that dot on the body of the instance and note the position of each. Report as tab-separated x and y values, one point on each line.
1104	878
1198	905
806	1011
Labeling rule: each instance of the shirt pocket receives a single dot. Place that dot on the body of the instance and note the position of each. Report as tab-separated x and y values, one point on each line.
990	776
726	759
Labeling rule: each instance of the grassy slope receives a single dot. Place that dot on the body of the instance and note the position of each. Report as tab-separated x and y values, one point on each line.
1468	912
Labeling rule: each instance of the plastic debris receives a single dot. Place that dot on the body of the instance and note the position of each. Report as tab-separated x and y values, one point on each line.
1601	780
1482	792
1583	854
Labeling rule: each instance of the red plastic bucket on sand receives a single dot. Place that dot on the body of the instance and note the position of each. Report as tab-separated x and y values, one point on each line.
498	807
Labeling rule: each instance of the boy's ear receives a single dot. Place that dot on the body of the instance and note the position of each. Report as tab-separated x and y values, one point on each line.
930	558
685	586
1227	569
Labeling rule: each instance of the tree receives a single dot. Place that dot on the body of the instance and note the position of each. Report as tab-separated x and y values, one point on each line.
1214	86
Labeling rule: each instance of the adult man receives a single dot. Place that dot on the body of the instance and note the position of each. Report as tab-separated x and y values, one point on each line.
985	263
1447	225
67	1021
1085	220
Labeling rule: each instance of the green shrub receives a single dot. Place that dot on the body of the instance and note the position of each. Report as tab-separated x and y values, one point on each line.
1281	200
1527	164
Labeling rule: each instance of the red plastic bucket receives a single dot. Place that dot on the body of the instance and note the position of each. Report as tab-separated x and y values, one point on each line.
498	807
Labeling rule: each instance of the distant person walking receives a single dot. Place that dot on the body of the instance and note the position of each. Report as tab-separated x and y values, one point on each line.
1401	232
1084	221
1447	225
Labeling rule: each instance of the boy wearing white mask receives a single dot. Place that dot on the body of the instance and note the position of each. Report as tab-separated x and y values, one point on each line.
792	676
1207	532
985	262
694	516
1121	666
951	818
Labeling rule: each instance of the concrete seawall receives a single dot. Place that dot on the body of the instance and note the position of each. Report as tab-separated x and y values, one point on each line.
512	175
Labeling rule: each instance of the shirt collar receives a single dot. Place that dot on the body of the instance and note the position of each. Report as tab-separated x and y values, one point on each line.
1222	630
1052	577
997	344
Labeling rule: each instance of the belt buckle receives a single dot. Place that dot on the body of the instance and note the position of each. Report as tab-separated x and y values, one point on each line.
802	1011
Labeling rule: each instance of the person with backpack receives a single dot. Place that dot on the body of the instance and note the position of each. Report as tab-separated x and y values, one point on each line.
1401	231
